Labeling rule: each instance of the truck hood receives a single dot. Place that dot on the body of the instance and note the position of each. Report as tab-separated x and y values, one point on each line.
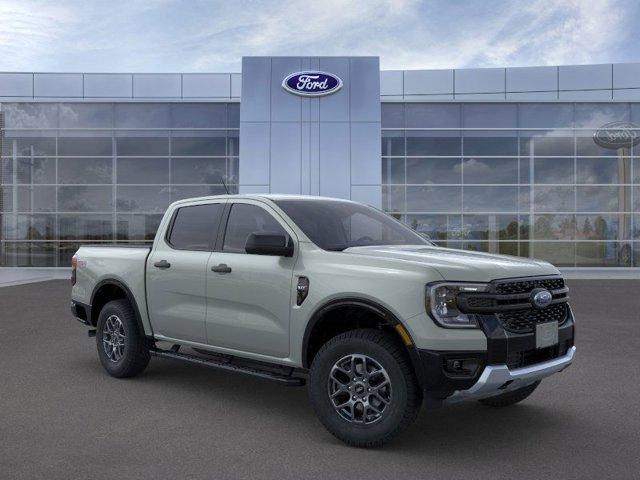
460	265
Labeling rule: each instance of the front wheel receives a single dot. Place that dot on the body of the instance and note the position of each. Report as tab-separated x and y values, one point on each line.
122	348
363	388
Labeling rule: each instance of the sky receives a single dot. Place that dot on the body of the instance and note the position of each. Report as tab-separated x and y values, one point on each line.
212	36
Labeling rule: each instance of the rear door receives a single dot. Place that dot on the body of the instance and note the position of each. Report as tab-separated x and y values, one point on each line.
249	300
177	272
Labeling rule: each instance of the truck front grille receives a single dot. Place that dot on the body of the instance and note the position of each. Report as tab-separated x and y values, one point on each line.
524	321
509	300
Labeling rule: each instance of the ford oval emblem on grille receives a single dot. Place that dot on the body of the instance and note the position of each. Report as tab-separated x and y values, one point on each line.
541	298
312	83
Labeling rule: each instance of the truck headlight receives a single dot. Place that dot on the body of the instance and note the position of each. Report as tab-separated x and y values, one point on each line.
442	305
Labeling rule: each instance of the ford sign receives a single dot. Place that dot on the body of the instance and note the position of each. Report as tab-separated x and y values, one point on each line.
312	84
617	135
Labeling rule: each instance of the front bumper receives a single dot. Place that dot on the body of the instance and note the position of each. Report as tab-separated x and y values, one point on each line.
498	379
505	354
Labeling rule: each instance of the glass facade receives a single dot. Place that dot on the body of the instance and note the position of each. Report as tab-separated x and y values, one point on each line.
76	173
522	179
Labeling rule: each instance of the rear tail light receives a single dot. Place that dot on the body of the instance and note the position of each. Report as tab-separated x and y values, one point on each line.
74	266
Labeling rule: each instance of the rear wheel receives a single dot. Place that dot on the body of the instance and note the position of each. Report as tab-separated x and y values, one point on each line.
363	389
122	348
510	398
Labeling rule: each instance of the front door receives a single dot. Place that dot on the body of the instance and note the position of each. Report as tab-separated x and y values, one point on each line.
177	272
249	296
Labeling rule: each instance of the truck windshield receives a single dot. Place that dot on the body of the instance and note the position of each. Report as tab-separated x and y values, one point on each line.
336	225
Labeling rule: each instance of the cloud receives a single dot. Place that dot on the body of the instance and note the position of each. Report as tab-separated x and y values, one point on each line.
166	35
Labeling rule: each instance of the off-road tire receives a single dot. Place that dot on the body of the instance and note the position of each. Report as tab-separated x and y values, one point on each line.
406	395
510	398
135	356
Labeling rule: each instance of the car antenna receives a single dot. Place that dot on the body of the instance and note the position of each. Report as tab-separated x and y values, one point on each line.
225	186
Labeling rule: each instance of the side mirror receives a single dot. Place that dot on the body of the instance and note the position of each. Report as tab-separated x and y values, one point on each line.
264	243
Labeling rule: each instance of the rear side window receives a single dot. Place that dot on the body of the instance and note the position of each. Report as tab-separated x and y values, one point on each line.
194	227
244	220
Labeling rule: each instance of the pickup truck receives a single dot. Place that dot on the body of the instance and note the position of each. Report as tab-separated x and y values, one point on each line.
333	293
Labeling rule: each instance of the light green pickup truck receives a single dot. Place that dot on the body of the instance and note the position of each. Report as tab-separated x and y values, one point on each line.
332	293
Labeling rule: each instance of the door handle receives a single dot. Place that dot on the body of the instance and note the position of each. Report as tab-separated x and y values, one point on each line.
222	268
162	264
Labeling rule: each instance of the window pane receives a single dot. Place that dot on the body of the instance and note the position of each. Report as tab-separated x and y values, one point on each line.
393	170
85	227
545	115
85	170
603	254
142	115
199	170
233	143
598	114
30	115
434	199
603	170
85	199
29	146
143	199
437	227
36	199
554	227
603	227
553	170
603	199
561	254
92	115
393	199
137	227
203	146
432	115
143	170
585	145
199	115
392	143
41	254
433	143
554	199
490	199
490	227
36	170
477	144
6	199
91	146
542	144
434	170
35	227
490	170
392	115
487	115
636	170
233	115
194	227
6	170
243	221
142	146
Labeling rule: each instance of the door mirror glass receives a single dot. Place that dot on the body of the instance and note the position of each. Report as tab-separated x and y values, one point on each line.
266	243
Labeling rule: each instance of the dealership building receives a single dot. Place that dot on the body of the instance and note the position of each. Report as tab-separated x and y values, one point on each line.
531	161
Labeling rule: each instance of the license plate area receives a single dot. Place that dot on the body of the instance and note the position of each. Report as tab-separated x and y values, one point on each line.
546	334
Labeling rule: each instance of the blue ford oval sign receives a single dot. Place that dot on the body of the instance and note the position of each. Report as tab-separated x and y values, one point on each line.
312	83
541	298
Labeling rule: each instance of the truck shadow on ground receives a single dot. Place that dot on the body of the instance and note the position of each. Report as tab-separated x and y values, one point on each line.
451	431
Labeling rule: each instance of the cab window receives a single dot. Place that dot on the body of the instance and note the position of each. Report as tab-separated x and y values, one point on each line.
194	227
245	219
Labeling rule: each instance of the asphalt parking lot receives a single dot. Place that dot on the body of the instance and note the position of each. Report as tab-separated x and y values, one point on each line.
62	416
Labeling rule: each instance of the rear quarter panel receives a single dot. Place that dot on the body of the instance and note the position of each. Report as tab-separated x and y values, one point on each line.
98	264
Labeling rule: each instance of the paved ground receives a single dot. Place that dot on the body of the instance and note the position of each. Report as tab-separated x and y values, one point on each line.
62	417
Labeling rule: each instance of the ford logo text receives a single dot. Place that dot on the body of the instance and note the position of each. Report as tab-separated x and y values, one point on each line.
541	298
312	84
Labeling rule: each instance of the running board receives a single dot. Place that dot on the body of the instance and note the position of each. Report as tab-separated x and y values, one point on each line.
227	365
